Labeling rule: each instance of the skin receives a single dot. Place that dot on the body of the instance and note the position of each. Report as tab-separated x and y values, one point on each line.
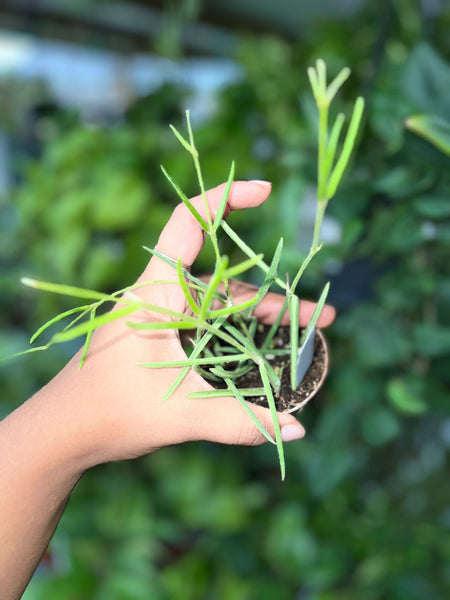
111	409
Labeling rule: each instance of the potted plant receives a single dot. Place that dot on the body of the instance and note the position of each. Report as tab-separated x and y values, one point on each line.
280	367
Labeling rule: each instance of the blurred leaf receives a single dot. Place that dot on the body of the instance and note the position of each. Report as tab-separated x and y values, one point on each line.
403	398
433	207
379	426
434	129
432	340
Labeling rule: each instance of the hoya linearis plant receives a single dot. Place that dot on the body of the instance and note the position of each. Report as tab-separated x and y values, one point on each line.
224	346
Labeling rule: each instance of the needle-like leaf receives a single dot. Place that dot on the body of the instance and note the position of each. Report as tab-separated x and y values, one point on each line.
237	394
59	317
276	424
88	340
223	202
293	304
186	201
316	314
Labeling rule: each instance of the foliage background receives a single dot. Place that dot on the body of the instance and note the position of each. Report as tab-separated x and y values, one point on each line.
364	512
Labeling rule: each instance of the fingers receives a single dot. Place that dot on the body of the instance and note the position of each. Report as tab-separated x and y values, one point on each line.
183	236
224	420
267	311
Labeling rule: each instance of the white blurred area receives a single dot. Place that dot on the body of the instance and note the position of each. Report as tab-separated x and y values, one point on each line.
96	82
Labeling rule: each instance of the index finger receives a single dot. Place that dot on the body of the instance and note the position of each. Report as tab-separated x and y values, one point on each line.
183	236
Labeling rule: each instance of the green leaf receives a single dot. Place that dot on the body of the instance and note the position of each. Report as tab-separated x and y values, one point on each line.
92	324
333	142
181	139
230	310
59	317
237	394
403	398
214	282
276	424
248	251
432	340
433	207
194	354
270	275
65	290
316	314
434	129
293	304
88	340
223	202
243	266
187	292
246	392
190	362
346	152
337	83
186	201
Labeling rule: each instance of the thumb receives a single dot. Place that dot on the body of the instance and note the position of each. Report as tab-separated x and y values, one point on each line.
224	420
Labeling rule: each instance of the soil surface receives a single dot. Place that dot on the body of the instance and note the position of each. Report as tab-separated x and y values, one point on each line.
286	399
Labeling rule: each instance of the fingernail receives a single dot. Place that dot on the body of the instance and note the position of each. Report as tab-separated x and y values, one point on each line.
292	432
260	182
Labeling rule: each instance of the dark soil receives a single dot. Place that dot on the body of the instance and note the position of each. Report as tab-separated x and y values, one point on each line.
286	398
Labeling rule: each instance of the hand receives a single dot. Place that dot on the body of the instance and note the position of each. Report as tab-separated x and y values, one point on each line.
113	406
111	409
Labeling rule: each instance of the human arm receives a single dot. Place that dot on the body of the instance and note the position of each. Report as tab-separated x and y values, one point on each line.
111	409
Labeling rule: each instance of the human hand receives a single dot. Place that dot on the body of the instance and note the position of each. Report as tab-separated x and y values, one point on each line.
112	408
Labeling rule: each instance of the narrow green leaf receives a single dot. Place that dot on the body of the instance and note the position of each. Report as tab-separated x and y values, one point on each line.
150	325
316	314
270	275
248	251
194	354
88	340
238	395
216	279
234	308
333	142
186	201
59	317
235	373
190	362
223	202
293	304
90	325
201	284
246	392
312	75
65	290
187	292
434	129
321	70
243	266
347	149
275	325
29	351
337	83
276	424
181	139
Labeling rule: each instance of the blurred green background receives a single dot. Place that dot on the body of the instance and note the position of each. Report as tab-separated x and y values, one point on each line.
87	90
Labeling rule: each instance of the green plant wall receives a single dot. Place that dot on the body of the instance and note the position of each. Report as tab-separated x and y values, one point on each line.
364	509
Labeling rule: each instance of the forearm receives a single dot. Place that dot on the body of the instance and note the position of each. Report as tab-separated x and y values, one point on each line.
39	469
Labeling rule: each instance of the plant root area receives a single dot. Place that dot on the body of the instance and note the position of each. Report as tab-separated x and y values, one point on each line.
286	399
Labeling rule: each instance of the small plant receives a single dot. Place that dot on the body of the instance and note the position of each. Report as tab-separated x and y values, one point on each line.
227	342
